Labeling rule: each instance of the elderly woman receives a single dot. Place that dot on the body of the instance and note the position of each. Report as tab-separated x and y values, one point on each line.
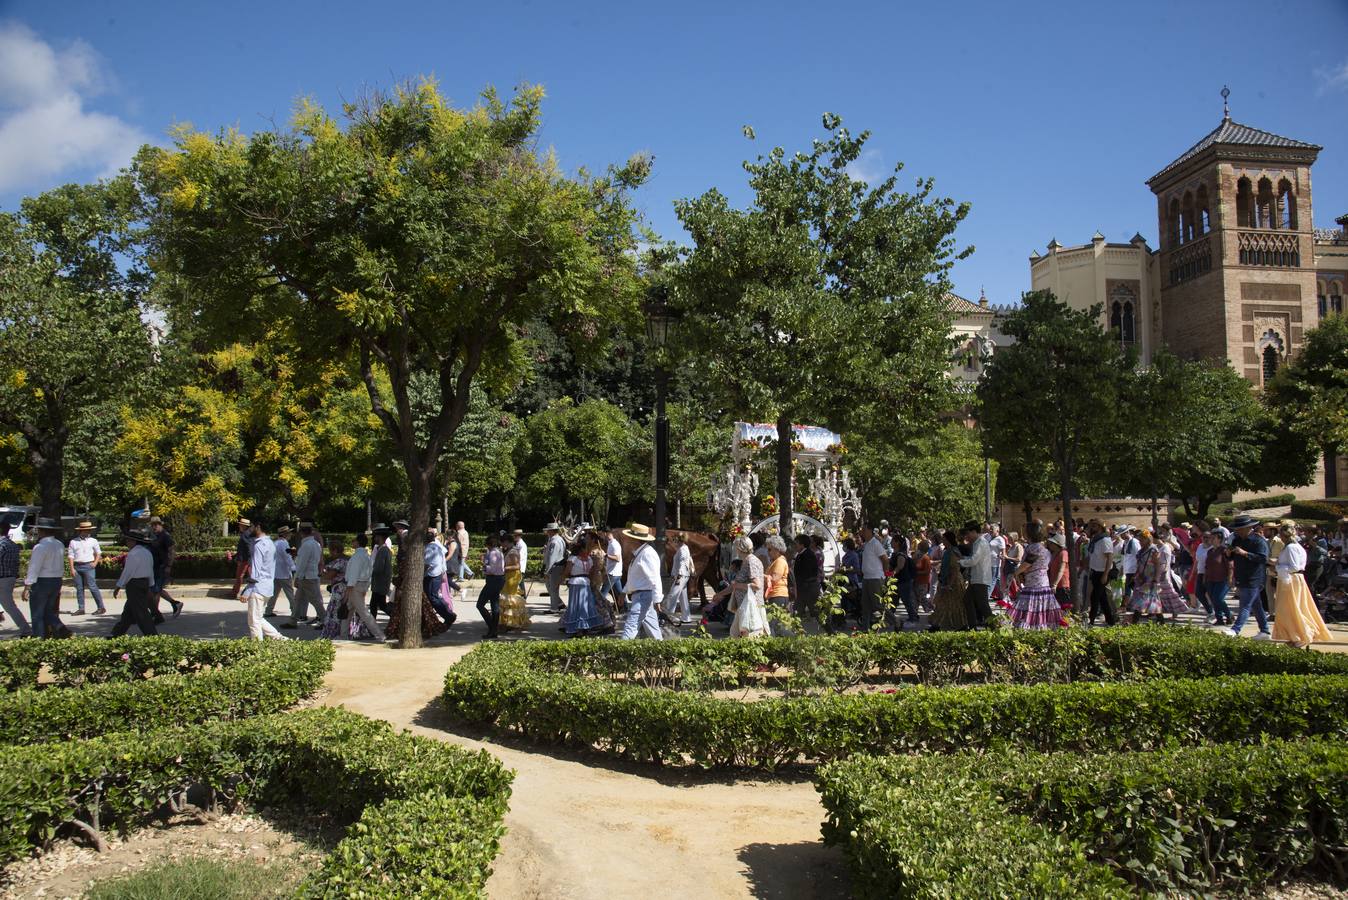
778	580
1298	621
746	595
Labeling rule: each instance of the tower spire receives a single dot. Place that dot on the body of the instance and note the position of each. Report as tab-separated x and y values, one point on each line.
1226	108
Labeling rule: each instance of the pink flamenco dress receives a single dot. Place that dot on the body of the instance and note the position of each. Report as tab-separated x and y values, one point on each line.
1171	600
1036	608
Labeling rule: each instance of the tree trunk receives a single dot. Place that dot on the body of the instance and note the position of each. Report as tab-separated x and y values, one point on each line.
411	560
785	501
1066	496
48	460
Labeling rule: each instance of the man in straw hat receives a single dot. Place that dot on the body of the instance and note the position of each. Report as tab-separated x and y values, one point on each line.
284	579
137	576
554	556
1250	552
84	553
42	584
643	586
259	584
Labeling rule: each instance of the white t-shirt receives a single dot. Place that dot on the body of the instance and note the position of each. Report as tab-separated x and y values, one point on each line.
83	550
1131	548
998	547
615	549
1100	553
873	558
285	566
1201	556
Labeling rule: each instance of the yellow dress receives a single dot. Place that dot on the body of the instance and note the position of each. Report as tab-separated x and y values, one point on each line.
514	611
1298	621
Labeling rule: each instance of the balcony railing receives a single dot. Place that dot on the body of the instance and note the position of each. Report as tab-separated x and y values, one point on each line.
1191	260
1275	249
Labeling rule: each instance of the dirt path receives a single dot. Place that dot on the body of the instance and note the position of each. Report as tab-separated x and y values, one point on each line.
585	827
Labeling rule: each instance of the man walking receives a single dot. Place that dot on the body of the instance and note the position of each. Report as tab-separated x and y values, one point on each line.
137	576
434	578
285	571
979	562
1129	548
84	553
243	553
554	555
1101	560
1249	551
259	584
161	547
461	535
359	571
613	563
42	584
381	571
9	575
643	586
307	591
873	576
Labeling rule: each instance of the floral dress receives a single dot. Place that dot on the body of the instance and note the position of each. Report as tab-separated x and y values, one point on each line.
751	618
582	616
334	626
1145	601
1036	607
1171	600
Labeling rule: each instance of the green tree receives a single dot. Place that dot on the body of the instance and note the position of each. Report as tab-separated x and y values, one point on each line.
590	453
1310	394
72	337
933	477
1053	395
420	238
824	295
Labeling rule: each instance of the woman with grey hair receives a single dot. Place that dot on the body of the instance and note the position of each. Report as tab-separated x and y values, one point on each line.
779	580
746	595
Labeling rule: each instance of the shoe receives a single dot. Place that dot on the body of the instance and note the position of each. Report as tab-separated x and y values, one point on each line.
78	612
269	615
101	611
1210	620
1263	636
177	608
158	619
289	625
1230	632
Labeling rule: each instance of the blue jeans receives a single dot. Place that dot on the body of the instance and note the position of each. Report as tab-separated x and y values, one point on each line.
1249	599
44	607
641	616
432	585
84	575
1216	591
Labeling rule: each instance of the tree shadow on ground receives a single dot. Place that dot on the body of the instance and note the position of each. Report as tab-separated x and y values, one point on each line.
800	871
434	716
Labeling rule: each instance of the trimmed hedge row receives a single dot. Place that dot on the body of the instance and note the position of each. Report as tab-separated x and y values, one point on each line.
268	676
499	685
92	660
1189	821
427	815
1005	656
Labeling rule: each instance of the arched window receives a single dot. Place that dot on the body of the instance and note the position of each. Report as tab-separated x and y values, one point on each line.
1322	298
1270	364
1204	216
1263	205
1173	223
1287	205
1270	352
1122	315
1187	223
1244	204
1336	296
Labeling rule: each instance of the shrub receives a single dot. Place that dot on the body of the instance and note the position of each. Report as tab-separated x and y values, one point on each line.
1272	500
1320	510
540	691
237	879
268	677
91	660
1188	820
334	760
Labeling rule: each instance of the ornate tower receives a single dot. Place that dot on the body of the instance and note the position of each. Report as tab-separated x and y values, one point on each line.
1236	263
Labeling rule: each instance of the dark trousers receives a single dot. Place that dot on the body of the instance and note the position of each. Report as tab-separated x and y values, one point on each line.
379	601
1101	602
433	586
909	598
44	608
873	600
976	608
489	602
137	609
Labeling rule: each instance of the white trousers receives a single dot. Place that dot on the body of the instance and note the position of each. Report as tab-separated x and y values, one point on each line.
676	598
258	627
355	605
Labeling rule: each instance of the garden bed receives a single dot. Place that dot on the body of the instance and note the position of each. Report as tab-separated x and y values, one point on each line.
1115	689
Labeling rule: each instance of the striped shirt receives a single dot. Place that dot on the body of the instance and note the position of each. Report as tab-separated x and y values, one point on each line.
9	558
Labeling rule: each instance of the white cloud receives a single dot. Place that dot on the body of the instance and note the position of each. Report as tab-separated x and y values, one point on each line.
1334	78
868	167
46	131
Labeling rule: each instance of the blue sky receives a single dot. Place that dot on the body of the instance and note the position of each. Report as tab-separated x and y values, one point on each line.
1047	120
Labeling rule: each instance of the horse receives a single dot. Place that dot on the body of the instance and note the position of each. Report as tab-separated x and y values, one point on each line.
705	548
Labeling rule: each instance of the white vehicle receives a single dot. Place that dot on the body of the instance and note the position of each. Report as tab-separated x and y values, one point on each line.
15	519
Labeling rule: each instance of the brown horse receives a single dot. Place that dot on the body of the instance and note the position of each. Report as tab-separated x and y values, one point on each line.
705	548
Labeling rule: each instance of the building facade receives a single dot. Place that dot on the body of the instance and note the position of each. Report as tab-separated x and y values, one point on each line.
1241	272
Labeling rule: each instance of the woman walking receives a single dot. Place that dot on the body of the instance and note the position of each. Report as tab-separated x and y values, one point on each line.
582	616
1145	600
514	612
1037	607
948	609
597	552
1298	621
778	581
805	566
489	599
746	596
681	573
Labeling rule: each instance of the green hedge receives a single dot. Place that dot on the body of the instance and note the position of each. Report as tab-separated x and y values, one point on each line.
91	660
1185	821
504	686
252	678
1226	509
1330	510
427	815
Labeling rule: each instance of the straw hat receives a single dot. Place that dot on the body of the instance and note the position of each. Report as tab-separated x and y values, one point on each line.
640	533
85	525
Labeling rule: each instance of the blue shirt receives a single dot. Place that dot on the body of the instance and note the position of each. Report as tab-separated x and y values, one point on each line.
435	558
262	568
1251	570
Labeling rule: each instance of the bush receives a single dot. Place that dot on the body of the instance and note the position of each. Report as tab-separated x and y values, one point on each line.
251	678
90	660
547	692
236	879
1227	509
1320	510
1188	821
335	760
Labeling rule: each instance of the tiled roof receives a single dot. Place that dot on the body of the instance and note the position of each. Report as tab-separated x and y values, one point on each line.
962	307
1229	132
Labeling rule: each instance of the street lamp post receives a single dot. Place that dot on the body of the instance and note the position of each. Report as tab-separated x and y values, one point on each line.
660	322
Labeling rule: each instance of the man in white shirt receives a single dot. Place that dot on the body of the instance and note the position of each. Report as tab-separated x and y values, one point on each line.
42	583
1101	559
1129	547
359	568
285	572
642	587
84	553
307	592
981	571
554	555
259	583
676	604
874	555
997	544
522	549
461	535
137	576
613	554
